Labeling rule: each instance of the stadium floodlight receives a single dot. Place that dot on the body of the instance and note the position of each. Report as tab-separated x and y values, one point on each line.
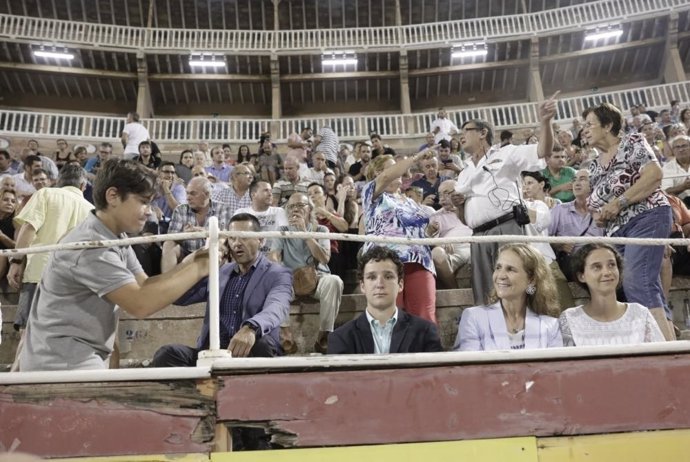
469	50
53	53
339	58
597	34
205	60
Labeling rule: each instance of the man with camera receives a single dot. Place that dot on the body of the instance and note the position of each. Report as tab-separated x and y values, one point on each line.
489	185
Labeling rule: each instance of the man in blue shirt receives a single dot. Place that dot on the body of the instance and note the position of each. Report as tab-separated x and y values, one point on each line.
383	328
219	169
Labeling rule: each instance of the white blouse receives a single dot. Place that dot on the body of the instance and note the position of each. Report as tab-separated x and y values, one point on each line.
540	228
635	326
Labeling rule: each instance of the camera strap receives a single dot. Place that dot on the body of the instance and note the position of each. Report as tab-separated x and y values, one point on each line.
517	185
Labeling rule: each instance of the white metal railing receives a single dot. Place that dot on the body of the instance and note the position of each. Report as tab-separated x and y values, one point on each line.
347	126
216	355
554	21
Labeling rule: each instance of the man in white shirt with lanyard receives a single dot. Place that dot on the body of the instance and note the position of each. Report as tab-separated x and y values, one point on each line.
489	185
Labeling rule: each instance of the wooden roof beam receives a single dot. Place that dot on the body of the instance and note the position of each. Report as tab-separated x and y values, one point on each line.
47	69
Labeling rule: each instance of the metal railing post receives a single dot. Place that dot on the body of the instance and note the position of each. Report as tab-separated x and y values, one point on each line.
207	357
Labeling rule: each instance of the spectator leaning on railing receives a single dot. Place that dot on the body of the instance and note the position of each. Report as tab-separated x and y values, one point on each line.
80	334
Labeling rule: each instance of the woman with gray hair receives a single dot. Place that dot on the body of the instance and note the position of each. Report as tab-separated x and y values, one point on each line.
627	201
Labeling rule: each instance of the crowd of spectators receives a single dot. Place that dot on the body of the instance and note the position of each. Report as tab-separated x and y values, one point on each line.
603	176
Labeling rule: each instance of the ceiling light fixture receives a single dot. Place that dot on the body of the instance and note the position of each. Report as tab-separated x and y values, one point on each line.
469	50
598	34
339	58
207	60
54	54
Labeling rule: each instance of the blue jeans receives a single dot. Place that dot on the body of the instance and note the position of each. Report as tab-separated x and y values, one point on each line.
642	263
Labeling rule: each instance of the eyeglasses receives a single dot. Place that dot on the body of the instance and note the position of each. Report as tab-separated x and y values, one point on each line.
168	171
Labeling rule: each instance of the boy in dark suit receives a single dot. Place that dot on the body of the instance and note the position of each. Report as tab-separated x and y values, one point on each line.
383	328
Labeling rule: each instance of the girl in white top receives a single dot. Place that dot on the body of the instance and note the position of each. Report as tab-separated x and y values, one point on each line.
604	320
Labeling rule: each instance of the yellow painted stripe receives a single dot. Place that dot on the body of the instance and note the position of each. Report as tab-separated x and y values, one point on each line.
148	458
658	446
629	447
506	449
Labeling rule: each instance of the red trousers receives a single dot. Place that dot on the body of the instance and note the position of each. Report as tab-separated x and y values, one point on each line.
419	292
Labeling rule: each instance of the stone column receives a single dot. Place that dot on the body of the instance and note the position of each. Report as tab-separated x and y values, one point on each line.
535	91
673	65
144	101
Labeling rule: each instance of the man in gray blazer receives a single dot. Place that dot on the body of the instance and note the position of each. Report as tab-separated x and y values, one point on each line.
383	328
255	296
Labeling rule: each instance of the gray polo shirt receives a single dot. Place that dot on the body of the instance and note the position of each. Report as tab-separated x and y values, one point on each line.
296	251
71	325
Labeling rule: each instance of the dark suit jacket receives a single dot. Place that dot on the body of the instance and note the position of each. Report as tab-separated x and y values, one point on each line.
266	300
410	335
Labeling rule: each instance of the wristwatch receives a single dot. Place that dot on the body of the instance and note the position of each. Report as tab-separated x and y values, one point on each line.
18	260
254	327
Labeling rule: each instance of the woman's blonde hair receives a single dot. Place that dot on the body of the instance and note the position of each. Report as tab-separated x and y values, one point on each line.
376	166
545	298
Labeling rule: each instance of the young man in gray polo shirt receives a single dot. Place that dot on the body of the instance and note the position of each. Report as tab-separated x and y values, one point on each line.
73	320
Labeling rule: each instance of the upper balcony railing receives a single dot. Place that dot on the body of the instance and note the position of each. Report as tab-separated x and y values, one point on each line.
160	40
349	127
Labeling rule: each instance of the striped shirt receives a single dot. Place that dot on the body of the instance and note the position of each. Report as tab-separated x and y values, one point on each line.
329	144
285	189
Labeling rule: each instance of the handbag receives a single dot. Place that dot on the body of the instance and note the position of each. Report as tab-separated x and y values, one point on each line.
305	279
563	258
